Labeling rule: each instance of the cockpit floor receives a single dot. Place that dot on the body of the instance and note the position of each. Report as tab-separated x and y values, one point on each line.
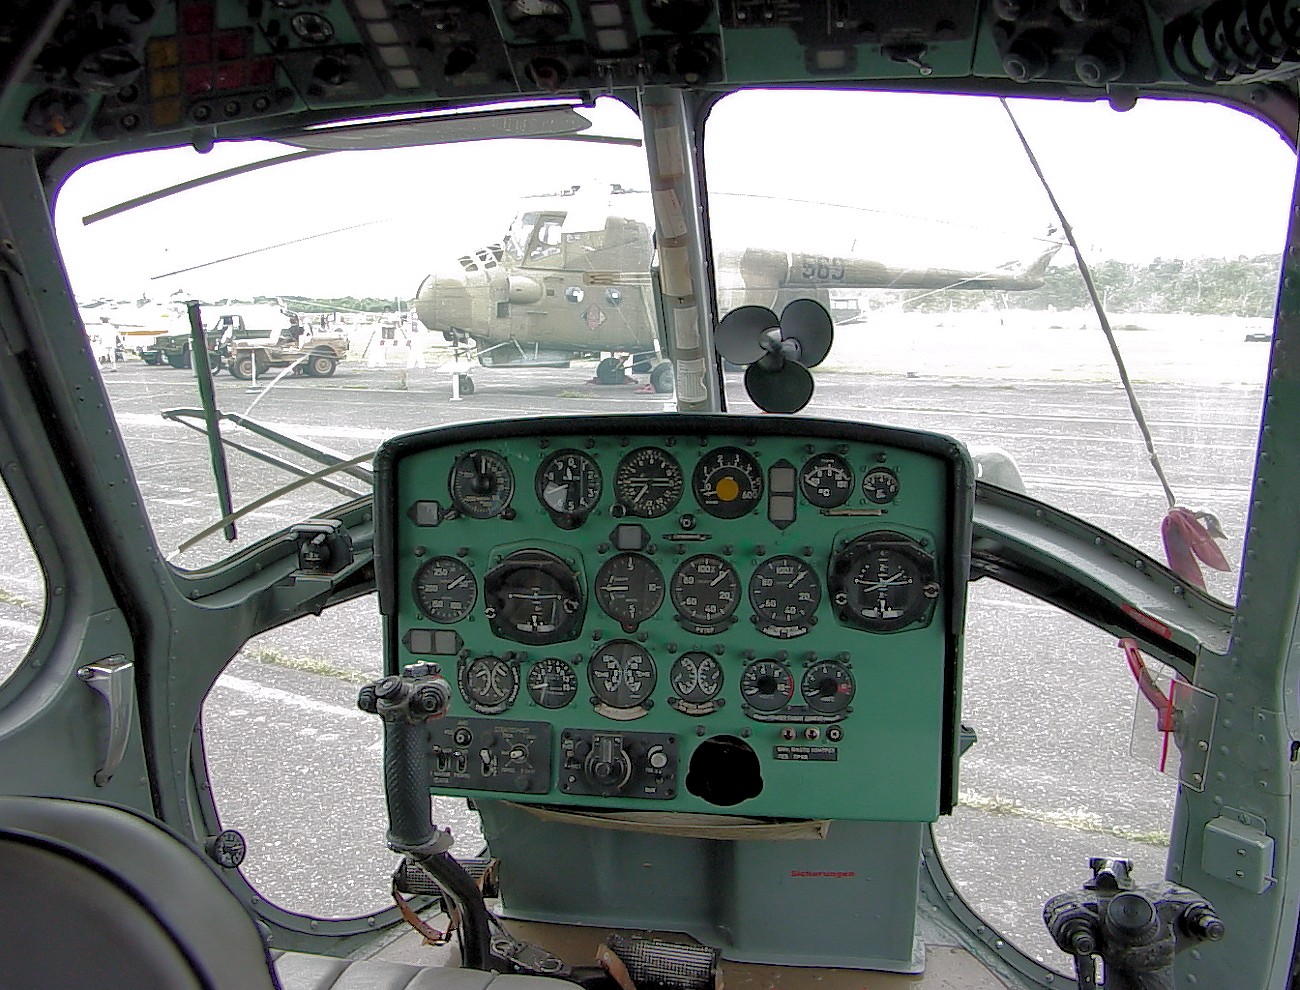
947	967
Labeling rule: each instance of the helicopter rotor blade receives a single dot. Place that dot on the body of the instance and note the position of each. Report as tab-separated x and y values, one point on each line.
806	322
739	337
785	389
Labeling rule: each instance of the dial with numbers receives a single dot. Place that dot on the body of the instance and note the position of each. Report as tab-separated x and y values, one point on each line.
648	482
569	483
445	589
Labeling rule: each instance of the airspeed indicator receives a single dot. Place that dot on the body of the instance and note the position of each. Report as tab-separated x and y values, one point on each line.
445	589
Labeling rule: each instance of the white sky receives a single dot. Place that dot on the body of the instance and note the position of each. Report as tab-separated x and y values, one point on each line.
904	179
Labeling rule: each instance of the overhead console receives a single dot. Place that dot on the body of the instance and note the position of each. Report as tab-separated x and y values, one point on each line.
116	69
723	614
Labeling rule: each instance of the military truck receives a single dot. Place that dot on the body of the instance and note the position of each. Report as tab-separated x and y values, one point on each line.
317	355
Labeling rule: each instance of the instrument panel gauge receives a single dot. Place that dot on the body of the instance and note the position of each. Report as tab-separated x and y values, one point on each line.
827	687
727	482
533	597
489	684
766	685
482	484
569	483
784	591
629	588
883	582
445	589
826	481
696	677
648	482
622	674
880	485
552	682
705	589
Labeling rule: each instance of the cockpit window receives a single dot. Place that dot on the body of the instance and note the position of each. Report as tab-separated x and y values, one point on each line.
22	591
920	223
371	292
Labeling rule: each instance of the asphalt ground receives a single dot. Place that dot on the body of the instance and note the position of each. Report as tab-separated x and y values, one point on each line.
1050	781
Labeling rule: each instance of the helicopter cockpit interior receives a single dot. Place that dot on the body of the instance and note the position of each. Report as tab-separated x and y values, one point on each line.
867	557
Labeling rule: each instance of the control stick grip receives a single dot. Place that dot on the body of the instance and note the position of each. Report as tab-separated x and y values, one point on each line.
406	787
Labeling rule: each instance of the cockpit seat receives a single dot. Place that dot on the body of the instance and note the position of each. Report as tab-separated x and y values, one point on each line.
92	895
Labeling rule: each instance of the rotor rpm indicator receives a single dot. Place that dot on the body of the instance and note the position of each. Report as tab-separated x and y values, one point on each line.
444	589
648	482
569	484
622	674
826	481
727	482
705	590
481	484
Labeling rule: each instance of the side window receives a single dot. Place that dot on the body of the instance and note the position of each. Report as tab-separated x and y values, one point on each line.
22	590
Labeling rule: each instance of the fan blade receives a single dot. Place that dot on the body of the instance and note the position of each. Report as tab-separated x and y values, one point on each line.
807	322
785	390
739	337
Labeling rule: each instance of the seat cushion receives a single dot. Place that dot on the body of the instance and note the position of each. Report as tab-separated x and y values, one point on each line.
300	971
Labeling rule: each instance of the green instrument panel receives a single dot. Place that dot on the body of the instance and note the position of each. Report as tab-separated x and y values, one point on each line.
725	614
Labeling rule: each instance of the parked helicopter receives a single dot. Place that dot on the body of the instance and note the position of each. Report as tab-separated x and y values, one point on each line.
569	279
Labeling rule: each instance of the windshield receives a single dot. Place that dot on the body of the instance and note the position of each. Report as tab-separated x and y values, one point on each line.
968	312
353	295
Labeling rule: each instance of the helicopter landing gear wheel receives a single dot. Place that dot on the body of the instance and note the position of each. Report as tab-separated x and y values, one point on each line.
610	371
663	379
466	384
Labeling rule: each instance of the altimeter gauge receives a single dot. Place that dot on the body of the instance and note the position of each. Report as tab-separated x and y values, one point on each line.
569	484
445	589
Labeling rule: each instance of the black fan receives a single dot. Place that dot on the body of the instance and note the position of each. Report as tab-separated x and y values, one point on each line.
779	352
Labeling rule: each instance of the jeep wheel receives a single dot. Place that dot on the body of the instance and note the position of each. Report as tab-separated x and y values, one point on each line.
662	378
321	365
242	367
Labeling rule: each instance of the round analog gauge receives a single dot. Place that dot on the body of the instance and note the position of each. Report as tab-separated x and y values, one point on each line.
827	687
696	677
705	589
880	485
482	484
826	481
311	27
489	684
784	590
552	682
648	482
766	685
727	482
629	588
569	483
622	674
533	597
883	582
445	590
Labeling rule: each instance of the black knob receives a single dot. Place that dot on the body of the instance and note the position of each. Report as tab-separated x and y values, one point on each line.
366	699
1132	915
388	687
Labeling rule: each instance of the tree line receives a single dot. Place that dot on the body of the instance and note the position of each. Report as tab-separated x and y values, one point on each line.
1212	286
